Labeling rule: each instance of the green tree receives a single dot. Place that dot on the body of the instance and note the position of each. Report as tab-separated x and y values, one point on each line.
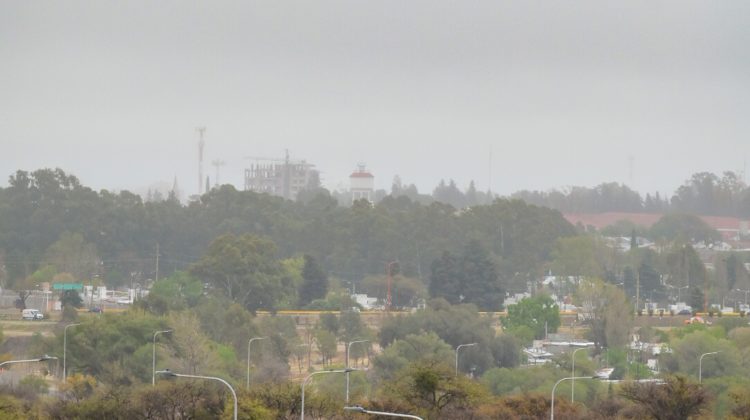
481	284
455	324
405	291
72	254
506	351
697	298
607	310
315	282
411	349
683	228
195	352
445	280
244	269
676	398
71	298
684	266
540	313
326	342
432	388
577	256
179	291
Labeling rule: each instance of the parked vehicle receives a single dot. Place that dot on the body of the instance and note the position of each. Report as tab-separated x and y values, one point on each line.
31	314
697	320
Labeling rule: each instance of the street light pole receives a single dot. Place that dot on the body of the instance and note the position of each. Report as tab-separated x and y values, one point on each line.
320	372
153	359
552	408
348	349
572	375
248	358
388	300
381	413
39	359
168	372
700	365
65	347
457	349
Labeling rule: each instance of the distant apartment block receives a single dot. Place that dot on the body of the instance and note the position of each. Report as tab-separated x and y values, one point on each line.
282	178
362	184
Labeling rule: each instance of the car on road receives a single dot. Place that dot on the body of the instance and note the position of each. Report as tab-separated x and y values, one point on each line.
32	314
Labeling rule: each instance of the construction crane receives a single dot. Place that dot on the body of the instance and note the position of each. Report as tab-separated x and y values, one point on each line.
284	159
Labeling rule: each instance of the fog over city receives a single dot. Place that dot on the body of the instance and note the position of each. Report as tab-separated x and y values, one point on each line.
519	95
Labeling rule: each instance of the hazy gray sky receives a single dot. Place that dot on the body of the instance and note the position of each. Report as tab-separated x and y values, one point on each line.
562	92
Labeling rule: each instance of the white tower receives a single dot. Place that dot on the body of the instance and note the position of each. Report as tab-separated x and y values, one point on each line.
362	184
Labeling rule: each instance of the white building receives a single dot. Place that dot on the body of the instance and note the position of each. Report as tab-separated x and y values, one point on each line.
362	184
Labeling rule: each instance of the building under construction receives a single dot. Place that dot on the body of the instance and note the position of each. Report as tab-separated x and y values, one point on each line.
280	177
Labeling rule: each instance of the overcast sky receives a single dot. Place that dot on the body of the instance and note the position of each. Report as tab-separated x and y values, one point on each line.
562	93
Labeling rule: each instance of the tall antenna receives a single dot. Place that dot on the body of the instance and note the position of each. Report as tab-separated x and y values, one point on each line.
631	164
489	176
218	164
201	143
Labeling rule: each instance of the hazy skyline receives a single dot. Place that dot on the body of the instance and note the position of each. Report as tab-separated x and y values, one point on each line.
562	93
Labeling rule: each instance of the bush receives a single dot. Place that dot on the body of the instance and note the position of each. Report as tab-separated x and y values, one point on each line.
69	313
34	384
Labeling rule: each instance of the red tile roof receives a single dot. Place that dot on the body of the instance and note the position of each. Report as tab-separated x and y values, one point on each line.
601	220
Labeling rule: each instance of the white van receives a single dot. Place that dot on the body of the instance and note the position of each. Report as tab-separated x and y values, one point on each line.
31	314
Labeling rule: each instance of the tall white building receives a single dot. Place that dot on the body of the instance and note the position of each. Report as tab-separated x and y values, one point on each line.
283	178
362	184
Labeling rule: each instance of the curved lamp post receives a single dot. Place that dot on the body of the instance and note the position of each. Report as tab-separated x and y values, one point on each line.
348	349
65	347
700	364
381	413
169	373
248	358
573	374
302	411
153	359
457	349
38	359
552	407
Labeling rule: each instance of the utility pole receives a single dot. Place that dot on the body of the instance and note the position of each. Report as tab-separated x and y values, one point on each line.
489	178
637	289
201	144
388	300
287	181
156	276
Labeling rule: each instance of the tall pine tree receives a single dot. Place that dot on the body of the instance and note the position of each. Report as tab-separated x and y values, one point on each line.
314	282
445	281
481	284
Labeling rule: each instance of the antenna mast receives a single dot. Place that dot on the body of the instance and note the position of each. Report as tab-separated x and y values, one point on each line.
631	165
218	164
201	144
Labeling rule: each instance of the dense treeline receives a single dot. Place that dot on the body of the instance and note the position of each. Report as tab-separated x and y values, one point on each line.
416	371
704	194
116	235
